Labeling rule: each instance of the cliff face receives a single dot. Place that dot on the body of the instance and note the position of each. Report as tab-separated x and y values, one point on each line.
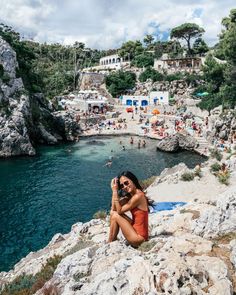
14	108
26	120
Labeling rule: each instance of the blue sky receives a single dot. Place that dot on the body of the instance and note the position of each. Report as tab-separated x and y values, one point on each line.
105	24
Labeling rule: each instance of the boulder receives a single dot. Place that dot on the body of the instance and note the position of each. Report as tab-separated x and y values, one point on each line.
177	142
220	219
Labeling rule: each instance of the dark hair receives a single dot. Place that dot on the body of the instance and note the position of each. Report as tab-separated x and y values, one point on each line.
132	177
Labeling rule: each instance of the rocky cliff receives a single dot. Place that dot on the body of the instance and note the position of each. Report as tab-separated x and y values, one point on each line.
25	120
192	250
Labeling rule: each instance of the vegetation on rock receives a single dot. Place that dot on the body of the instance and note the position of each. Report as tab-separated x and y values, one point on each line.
119	82
28	284
187	176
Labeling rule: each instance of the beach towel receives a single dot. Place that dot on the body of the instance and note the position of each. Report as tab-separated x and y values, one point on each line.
162	206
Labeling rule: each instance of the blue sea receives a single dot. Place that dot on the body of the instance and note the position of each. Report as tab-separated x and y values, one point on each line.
43	195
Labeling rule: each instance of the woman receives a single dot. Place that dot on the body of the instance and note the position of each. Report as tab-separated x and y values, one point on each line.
135	230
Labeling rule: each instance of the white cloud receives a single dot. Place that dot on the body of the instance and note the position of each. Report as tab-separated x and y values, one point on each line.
108	23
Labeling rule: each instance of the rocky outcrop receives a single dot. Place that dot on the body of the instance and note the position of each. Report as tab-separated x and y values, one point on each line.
218	220
14	108
177	142
27	120
177	88
90	80
225	125
191	251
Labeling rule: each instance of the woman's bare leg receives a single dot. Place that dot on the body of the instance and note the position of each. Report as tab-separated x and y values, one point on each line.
117	221
114	230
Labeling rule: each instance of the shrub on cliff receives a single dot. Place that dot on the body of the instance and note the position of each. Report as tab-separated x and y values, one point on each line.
187	176
119	82
28	284
152	74
143	60
101	214
224	178
174	77
215	167
216	154
145	183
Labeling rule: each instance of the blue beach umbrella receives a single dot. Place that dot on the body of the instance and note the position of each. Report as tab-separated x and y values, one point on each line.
202	94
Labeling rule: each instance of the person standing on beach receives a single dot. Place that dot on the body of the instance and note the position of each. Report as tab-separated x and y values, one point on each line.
131	140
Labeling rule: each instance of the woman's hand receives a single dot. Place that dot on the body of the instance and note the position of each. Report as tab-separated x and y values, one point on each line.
114	184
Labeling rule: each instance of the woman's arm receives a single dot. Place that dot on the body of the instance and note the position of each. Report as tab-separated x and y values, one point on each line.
115	198
134	202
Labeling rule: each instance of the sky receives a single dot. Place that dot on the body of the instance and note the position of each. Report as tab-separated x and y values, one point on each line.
107	24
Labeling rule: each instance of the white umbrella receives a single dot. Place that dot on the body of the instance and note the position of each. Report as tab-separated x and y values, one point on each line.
153	119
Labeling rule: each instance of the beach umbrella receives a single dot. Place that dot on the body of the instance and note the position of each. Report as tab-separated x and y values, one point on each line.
202	94
155	112
153	119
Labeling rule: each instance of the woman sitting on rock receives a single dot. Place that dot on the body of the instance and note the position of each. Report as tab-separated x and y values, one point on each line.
135	230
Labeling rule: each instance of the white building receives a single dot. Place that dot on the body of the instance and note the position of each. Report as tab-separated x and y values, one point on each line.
87	100
113	61
135	100
154	98
159	97
110	62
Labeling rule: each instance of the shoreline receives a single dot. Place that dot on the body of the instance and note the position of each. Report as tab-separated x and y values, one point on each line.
130	133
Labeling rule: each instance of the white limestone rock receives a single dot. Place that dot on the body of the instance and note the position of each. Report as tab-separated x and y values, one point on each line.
220	219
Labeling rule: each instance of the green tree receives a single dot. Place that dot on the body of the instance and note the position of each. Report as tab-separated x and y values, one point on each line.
152	74
200	46
143	60
148	39
227	46
173	48
213	73
130	49
119	82
187	31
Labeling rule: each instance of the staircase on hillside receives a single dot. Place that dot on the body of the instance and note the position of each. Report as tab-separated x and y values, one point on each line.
203	146
103	91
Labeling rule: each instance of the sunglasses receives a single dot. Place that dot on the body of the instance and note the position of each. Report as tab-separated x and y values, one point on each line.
126	183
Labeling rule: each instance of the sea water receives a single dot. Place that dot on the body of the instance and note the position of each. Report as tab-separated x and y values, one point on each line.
43	195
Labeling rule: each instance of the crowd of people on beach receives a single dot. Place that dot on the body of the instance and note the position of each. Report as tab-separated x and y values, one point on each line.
143	122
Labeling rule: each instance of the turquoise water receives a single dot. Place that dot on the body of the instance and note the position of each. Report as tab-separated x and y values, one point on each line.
46	194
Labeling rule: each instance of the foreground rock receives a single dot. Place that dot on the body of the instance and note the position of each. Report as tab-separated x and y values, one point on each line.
177	142
191	251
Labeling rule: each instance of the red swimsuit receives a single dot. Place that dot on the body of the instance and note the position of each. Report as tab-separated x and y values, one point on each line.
140	222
